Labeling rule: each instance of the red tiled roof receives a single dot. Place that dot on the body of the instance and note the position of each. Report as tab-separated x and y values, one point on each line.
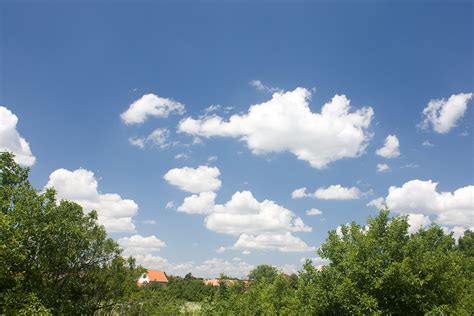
157	276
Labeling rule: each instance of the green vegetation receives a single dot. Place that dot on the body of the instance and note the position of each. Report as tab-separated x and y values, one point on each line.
380	269
54	259
189	288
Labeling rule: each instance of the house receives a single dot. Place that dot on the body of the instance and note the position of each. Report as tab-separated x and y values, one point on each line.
153	276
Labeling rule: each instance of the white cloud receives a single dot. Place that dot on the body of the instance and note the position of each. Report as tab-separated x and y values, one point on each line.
391	147
243	214
254	222
337	192
158	137
211	158
382	167
427	143
286	123
169	205
201	179
332	192
220	249
410	165
442	115
417	221
80	186
137	141
11	141
150	261
210	268
269	241
181	156
458	231
378	203
313	212
299	193
212	108
422	197
257	84
213	267
137	244
198	204
150	105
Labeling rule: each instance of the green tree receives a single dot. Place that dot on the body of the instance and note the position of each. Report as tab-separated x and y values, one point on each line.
53	257
263	273
382	269
466	244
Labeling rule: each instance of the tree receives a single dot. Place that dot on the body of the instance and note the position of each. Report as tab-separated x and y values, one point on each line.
263	273
381	268
53	257
466	244
377	269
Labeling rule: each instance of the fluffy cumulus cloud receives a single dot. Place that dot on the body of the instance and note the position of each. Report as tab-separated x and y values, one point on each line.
81	185
332	192
11	141
442	115
299	193
265	223
194	180
378	203
137	244
337	192
417	221
422	197
243	214
202	203
382	167
150	105
391	147
267	241
286	123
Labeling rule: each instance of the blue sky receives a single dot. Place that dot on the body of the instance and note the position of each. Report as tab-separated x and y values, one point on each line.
68	72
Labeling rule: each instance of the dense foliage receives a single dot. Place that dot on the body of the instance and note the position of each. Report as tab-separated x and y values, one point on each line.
189	288
53	257
377	269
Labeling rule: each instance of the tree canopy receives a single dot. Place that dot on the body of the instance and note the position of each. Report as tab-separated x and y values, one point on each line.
375	269
53	257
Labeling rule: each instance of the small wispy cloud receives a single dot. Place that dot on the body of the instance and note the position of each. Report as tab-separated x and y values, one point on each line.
382	167
427	143
159	137
257	84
